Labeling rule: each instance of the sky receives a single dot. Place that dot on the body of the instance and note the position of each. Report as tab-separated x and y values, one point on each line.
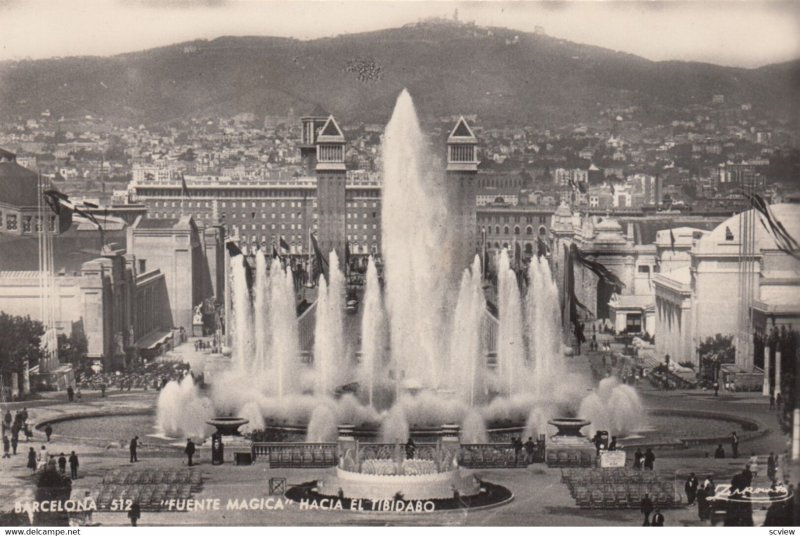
739	33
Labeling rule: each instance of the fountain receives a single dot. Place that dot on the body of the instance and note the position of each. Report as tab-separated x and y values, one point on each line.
423	333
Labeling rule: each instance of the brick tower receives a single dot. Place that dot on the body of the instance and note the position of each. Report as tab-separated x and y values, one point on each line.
462	168
331	176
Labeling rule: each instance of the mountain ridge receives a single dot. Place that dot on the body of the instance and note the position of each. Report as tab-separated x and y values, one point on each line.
505	76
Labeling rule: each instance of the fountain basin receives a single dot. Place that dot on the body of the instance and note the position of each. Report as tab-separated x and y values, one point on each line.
569	427
228	426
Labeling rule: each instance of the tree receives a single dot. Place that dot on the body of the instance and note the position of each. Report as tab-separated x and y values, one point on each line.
72	349
719	345
20	340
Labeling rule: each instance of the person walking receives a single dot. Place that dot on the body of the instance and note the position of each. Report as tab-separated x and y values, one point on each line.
753	462
32	460
637	458
691	488
133	446
779	402
6	446
735	444
7	419
62	464
716	388
649	458
772	470
720	452
771	402
658	518
646	507
70	393
134	513
73	465
702	502
517	444
189	450
613	444
48	431
530	446
14	443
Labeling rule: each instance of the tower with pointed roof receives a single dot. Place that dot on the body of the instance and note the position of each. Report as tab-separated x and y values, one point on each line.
311	125
462	169
331	177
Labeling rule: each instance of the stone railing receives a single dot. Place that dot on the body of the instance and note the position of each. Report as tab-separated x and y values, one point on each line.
484	455
296	455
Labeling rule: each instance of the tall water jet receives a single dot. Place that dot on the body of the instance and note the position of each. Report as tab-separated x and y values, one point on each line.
182	411
373	333
511	368
473	428
542	326
417	263
467	363
614	407
283	323
322	426
242	315
394	427
330	363
261	326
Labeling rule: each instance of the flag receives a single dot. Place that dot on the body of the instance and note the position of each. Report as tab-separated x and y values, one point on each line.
542	249
320	261
184	188
275	254
284	245
601	271
783	240
672	240
59	203
233	249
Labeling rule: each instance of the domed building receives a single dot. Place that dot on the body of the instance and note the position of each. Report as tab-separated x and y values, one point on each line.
737	282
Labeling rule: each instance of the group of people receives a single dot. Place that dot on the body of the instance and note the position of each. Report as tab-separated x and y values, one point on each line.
212	346
644	459
12	427
41	461
529	447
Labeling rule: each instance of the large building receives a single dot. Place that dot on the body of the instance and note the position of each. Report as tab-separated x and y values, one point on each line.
22	207
702	294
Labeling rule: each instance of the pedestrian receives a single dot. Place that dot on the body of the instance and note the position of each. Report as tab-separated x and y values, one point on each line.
613	444
691	488
649	458
735	444
14	443
646	508
753	462
716	388
48	431
702	502
779	401
530	446
70	393
78	393
134	444
658	518
73	465
134	513
637	458
190	449
517	444
771	401
6	446
102	390
62	464
411	449
7	418
772	469
720	452
32	460
41	459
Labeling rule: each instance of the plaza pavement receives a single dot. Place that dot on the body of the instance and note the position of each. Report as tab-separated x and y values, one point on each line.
539	496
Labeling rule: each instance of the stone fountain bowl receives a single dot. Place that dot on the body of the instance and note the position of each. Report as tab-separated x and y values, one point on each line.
227	426
570	427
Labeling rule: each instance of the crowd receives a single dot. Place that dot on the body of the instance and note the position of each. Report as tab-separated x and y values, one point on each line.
150	376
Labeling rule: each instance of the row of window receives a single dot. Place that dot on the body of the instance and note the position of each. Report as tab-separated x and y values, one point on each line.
542	220
517	230
28	223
